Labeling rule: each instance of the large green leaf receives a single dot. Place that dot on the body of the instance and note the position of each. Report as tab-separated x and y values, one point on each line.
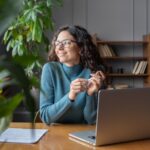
17	72
37	31
4	122
8	105
25	60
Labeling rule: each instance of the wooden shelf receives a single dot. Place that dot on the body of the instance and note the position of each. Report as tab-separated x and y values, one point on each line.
124	58
108	52
122	42
126	75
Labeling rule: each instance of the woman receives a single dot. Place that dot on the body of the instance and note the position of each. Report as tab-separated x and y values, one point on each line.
68	82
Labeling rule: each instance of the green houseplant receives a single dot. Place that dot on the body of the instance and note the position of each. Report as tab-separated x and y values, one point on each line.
26	35
25	39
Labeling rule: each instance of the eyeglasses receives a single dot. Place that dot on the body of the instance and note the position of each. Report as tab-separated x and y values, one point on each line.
65	43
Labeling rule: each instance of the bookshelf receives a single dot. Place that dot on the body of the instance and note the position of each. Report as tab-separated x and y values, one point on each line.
143	73
146	53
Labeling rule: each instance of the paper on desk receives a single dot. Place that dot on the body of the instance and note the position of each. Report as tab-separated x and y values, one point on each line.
19	135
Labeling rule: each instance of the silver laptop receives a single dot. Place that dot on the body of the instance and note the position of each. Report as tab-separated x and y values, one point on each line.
122	115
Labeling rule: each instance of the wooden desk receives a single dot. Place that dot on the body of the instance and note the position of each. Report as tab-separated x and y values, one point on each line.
57	139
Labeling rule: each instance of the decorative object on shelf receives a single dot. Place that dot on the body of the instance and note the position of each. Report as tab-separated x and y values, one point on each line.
120	70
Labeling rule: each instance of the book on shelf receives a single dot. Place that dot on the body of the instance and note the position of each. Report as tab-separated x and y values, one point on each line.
135	67
118	86
106	51
121	86
139	67
142	71
102	51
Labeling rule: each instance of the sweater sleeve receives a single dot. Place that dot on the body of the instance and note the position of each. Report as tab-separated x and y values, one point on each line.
90	110
50	112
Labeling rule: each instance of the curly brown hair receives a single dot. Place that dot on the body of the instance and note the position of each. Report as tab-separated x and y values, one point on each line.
89	55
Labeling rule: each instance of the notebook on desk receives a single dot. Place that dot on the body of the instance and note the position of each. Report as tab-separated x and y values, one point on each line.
123	115
20	135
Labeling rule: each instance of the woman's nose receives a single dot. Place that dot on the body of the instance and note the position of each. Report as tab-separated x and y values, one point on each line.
61	46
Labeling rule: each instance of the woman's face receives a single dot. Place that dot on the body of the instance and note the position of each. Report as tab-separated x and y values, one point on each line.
67	49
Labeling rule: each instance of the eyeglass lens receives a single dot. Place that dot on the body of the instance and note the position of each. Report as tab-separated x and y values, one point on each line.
65	43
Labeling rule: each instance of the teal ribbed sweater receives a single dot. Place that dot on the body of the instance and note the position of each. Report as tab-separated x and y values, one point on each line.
55	106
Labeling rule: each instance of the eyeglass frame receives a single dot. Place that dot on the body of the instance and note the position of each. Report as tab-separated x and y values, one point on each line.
60	43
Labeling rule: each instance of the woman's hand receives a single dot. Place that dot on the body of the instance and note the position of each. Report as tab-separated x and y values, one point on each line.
77	86
95	82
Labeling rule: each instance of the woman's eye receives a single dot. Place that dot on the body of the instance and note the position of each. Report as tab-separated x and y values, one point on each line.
65	42
68	42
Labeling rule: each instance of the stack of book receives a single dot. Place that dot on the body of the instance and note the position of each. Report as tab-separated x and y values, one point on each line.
106	51
139	67
118	86
121	86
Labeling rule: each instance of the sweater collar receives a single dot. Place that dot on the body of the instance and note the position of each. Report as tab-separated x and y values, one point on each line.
72	71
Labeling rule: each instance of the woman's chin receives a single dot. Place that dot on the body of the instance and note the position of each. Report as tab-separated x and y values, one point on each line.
62	60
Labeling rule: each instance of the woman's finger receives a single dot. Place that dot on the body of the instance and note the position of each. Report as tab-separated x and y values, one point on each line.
94	82
79	85
100	74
